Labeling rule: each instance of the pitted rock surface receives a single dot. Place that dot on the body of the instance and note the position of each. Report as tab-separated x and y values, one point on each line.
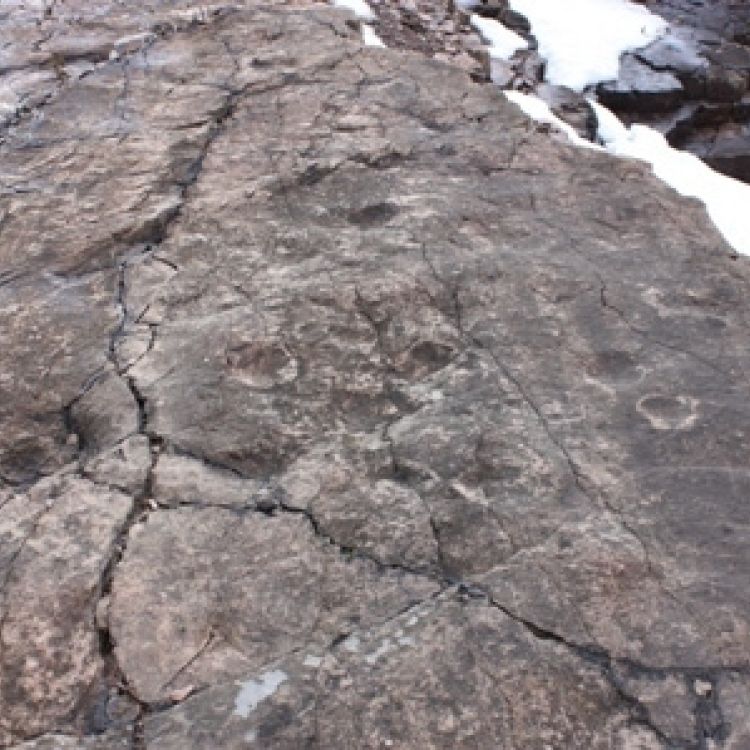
344	407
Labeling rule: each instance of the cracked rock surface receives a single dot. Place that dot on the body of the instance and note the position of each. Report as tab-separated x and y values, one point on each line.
344	407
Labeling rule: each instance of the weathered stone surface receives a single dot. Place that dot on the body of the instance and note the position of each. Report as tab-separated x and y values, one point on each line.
54	334
125	467
448	676
381	518
110	741
733	700
669	702
180	480
106	414
373	413
231	593
56	542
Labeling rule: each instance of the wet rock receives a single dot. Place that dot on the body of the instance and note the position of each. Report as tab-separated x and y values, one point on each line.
717	133
570	107
676	51
726	18
728	154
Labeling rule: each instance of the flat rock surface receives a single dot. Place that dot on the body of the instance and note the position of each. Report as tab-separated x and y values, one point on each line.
344	407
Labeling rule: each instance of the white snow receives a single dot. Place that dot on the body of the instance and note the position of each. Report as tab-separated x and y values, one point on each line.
582	40
360	8
364	12
538	110
502	41
727	200
370	38
253	692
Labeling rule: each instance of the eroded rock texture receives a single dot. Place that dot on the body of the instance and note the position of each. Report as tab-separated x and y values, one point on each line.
344	408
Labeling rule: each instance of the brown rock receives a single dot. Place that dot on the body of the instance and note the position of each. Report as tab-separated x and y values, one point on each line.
57	541
232	593
456	675
388	418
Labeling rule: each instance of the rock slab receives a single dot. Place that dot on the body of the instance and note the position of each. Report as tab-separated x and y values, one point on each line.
345	407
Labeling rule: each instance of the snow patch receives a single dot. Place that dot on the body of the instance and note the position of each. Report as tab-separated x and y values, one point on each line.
364	12
726	199
539	110
253	692
360	8
370	38
503	42
582	40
